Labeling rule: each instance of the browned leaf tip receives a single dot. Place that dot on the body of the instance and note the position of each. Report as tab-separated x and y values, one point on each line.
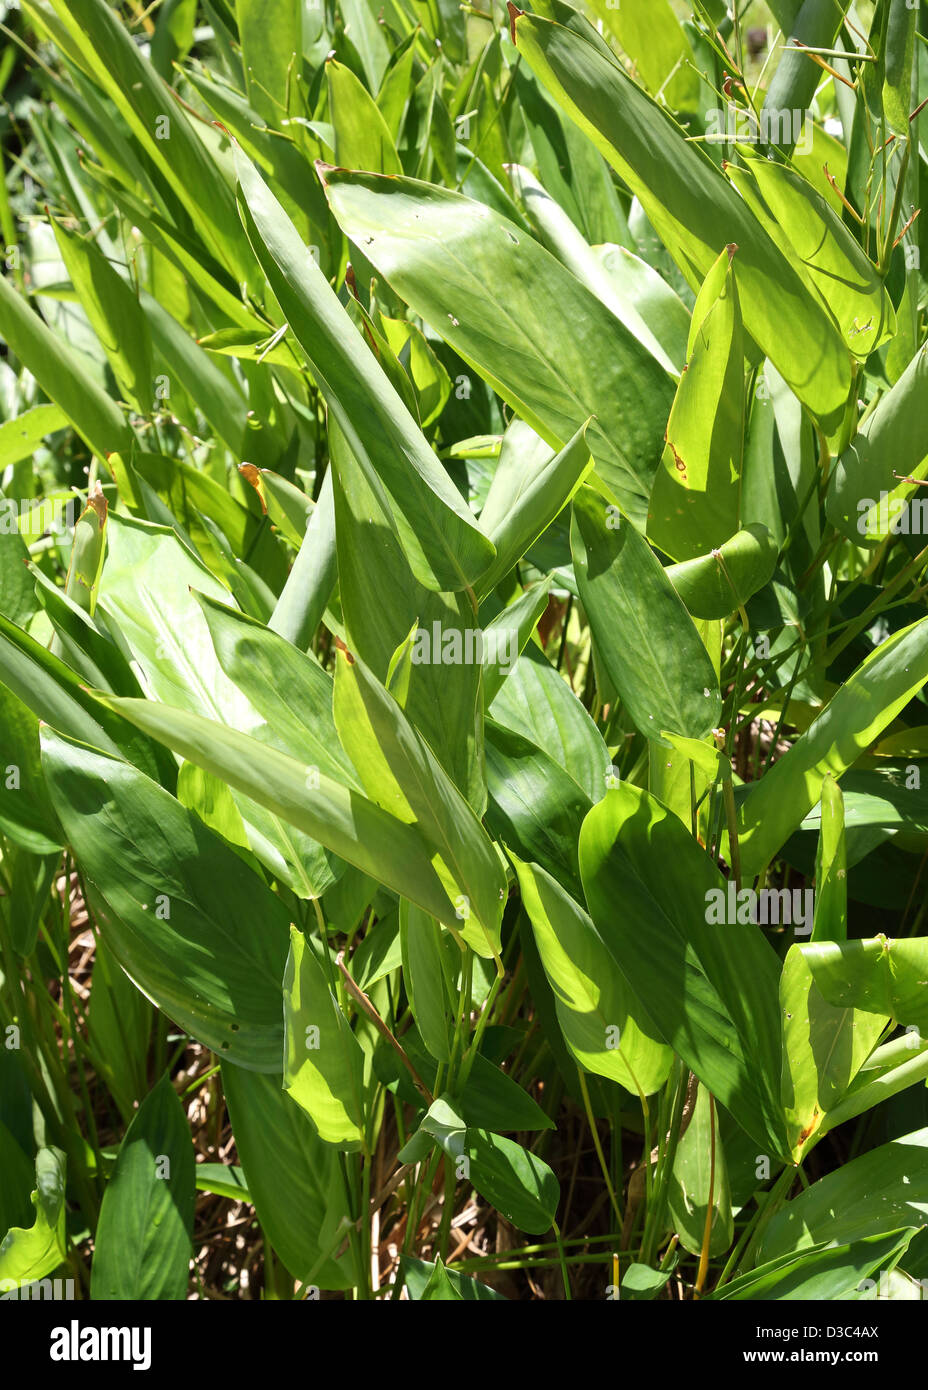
514	14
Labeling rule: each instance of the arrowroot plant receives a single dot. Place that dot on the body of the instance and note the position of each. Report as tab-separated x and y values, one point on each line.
462	650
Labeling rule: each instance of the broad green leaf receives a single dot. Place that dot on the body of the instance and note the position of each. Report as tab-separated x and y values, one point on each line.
53	692
598	1013
688	202
556	231
570	166
342	819
654	39
871	1195
645	638
18	601
827	256
696	499
30	877
289	689
824	1046
901	32
815	23
58	370
424	978
536	701
714	585
881	976
271	34
525	324
443	543
831	867
119	1027
105	48
149	584
362	140
699	1169
20	437
656	303
852	720
27	1254
534	805
26	812
508	637
837	1272
323	1061
143	1243
711	990
399	772
175	905
419	1276
115	315
872	495
292	1176
520	1186
521	504
443	701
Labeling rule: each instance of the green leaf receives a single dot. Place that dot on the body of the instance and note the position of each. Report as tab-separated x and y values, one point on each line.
558	232
698	1168
869	498
831	867
53	692
876	1193
354	828
689	202
714	585
441	700
424	977
881	976
104	47
523	502
119	1024
323	1061
399	772
520	1186
26	812
20	437
419	1277
825	254
536	701
852	720
824	1047
828	1274
443	543
57	368
655	40
599	1015
175	905
535	334
293	1176
272	47
143	1243
32	1253
534	806
712	989
696	499
645	638
151	587
115	316
362	140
